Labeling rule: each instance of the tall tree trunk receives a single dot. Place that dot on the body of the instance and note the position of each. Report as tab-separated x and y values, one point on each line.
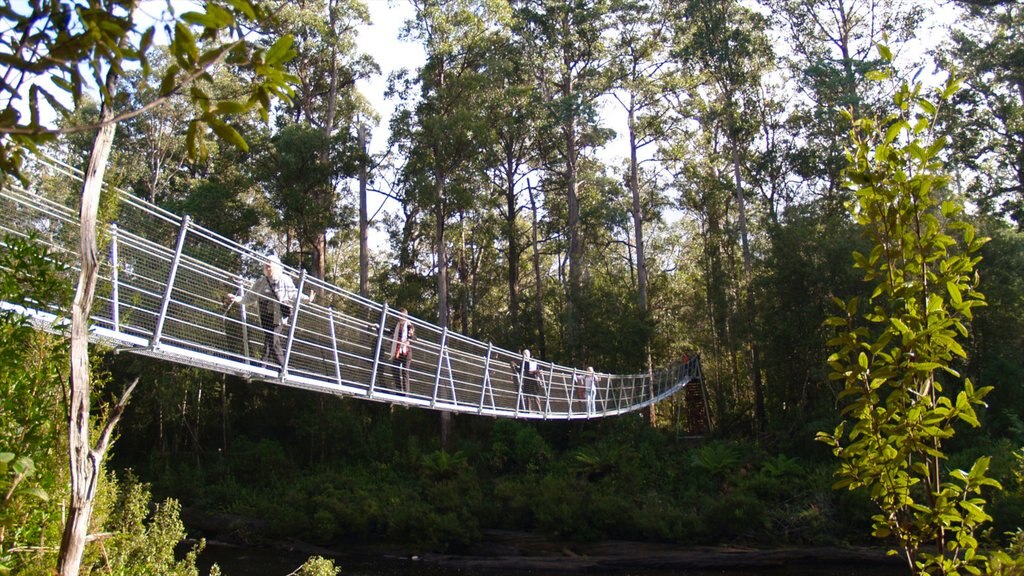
85	463
748	287
319	264
514	253
465	281
574	323
364	225
224	413
441	253
638	242
538	278
638	216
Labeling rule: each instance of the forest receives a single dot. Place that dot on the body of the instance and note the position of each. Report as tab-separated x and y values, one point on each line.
611	183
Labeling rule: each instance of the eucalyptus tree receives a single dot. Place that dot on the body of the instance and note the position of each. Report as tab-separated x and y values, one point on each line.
441	134
725	49
293	173
327	66
645	78
986	48
830	50
514	111
573	73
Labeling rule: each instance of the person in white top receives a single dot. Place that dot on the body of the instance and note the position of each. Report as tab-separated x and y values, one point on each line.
531	381
590	386
274	293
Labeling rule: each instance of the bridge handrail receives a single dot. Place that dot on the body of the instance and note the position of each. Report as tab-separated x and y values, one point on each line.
161	291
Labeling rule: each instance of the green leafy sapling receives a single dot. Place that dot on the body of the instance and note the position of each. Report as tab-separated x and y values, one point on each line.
895	353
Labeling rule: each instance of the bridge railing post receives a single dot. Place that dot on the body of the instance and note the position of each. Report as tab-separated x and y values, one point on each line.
547	390
115	299
519	392
292	321
376	351
440	360
244	319
572	389
334	345
487	377
175	261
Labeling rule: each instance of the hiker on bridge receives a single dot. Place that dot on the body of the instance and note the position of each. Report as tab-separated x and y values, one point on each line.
531	380
590	389
274	293
401	350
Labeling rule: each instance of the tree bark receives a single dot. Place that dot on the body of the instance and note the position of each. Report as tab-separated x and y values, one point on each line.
85	463
364	225
514	251
538	279
571	136
748	281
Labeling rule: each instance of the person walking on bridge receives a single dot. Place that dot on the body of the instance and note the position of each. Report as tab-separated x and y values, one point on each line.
590	389
401	350
531	381
274	293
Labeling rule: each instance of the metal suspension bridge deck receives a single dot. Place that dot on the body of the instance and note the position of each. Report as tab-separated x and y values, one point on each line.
161	293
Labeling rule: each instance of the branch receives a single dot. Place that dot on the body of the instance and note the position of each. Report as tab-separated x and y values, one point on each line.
115	416
187	81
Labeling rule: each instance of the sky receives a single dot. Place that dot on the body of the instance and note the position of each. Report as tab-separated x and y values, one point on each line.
380	40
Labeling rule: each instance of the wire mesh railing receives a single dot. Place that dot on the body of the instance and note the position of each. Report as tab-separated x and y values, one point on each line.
170	288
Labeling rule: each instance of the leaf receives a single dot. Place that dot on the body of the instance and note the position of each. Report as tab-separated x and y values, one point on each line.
199	19
36	492
279	52
170	79
954	292
884	52
229	107
894	130
878	75
227	133
244	7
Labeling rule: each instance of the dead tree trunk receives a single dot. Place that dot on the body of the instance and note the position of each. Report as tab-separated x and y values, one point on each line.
85	461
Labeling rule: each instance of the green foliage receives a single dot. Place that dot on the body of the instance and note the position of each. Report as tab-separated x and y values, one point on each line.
32	472
74	47
717	458
517	446
317	566
143	535
895	355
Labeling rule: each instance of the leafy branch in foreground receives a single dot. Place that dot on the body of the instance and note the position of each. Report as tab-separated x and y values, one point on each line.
896	352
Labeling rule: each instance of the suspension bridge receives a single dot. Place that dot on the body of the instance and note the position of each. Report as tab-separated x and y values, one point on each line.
162	289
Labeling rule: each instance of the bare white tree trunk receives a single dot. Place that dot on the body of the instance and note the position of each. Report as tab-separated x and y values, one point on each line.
85	464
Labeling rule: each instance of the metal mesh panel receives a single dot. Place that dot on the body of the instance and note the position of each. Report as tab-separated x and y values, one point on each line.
164	291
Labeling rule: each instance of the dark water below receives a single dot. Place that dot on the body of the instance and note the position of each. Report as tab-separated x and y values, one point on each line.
235	561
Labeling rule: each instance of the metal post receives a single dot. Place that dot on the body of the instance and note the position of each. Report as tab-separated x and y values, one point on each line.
244	318
547	390
158	331
451	377
572	392
440	358
376	352
519	394
115	310
334	346
291	325
487	377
